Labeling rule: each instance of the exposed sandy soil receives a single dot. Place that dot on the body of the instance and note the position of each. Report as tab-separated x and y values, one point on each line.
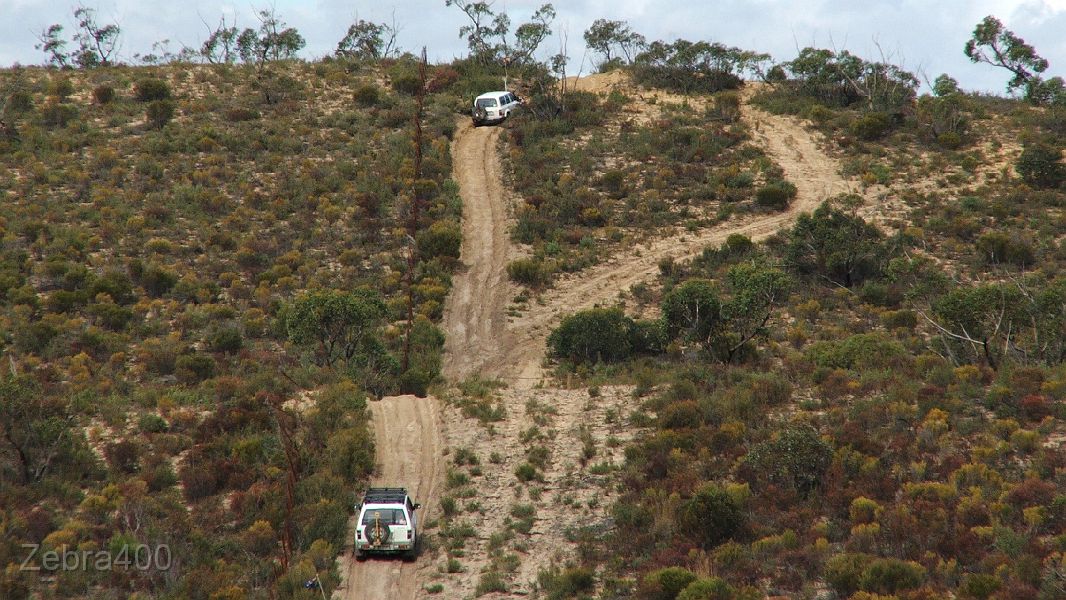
475	314
414	435
571	493
408	435
816	176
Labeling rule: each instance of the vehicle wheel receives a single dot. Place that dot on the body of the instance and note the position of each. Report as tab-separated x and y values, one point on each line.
360	555
410	555
378	536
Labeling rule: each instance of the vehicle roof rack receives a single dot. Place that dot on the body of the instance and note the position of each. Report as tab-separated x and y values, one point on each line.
385	495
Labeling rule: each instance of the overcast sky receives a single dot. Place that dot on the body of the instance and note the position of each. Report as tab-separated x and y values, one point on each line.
922	35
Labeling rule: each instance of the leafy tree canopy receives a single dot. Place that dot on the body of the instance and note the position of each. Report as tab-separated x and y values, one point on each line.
835	245
337	325
614	40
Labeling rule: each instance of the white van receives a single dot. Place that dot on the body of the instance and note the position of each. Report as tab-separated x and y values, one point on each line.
494	107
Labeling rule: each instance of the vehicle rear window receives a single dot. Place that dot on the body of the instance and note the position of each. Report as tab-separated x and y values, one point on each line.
486	102
388	516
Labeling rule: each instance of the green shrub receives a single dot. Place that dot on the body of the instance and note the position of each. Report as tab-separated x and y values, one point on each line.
103	94
152	423
568	583
111	316
19	101
34	338
949	140
776	196
63	301
225	339
416	382
241	113
871	126
116	285
336	325
55	114
979	585
737	244
861	352
594	335
796	457
681	415
350	452
158	280
665	584
405	82
711	588
839	246
150	90
890	575
712	516
159	113
529	271
1001	248
684	67
160	477
844	572
646	336
123	456
880	294
526	472
61	88
442	238
490	581
820	114
367	95
1040	165
692	311
195	367
899	319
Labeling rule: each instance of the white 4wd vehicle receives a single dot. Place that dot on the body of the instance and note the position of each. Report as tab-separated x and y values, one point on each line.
494	107
387	523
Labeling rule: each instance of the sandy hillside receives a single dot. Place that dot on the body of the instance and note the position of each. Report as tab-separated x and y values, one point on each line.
419	438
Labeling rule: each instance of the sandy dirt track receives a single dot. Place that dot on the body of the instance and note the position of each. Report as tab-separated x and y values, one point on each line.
475	313
407	431
482	339
816	176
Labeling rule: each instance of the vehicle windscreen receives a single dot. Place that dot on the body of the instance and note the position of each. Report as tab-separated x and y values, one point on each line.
486	102
388	516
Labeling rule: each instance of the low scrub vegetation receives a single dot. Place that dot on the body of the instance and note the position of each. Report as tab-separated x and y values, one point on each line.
886	424
190	335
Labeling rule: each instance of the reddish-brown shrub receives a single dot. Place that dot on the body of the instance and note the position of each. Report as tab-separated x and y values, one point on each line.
1026	380
1035	407
199	480
441	79
1031	492
123	456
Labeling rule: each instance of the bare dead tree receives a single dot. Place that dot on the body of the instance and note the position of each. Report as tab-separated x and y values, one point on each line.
220	47
389	32
415	213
